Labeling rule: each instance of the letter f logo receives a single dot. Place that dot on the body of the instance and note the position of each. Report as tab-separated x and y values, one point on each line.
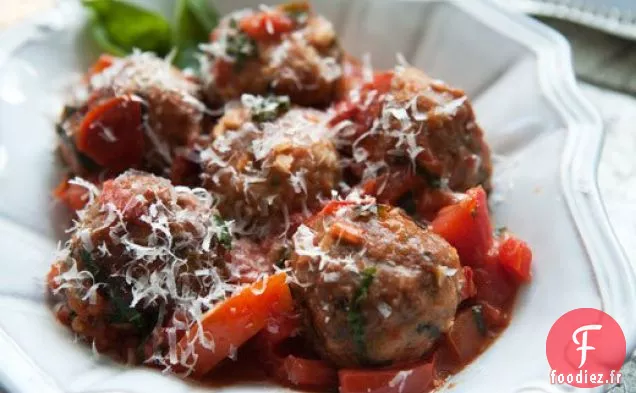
583	344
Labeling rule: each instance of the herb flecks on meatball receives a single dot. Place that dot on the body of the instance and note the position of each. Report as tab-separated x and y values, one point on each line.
144	262
287	50
405	131
267	161
132	112
374	287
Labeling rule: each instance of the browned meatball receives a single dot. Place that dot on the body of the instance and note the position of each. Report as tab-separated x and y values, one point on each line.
375	288
169	116
287	50
144	259
268	170
404	119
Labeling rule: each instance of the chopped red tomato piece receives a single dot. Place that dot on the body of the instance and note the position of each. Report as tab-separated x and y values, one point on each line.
367	107
466	226
266	25
343	110
493	283
301	372
494	316
468	285
332	206
382	81
516	257
283	359
51	277
104	61
390	188
431	201
111	134
309	373
73	196
413	379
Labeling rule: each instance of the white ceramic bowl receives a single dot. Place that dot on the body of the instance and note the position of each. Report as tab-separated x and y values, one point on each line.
545	137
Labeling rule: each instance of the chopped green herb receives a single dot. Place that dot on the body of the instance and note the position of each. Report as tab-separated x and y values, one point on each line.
478	315
223	235
284	255
432	180
149	325
68	111
299	16
239	46
89	263
298	11
123	313
270	108
61	132
499	231
355	318
407	203
427	328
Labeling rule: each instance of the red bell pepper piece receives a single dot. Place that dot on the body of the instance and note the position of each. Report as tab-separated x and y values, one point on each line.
266	25
466	226
411	379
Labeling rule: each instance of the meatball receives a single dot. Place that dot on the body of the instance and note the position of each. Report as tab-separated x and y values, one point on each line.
405	122
132	112
374	287
287	50
144	261
267	163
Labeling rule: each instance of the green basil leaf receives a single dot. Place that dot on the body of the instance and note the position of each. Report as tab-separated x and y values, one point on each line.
195	21
121	27
205	13
100	36
355	318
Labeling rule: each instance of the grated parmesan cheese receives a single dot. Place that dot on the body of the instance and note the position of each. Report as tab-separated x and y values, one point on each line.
384	309
157	268
400	380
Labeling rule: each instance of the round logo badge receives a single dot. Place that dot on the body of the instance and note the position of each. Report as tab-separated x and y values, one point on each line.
585	348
